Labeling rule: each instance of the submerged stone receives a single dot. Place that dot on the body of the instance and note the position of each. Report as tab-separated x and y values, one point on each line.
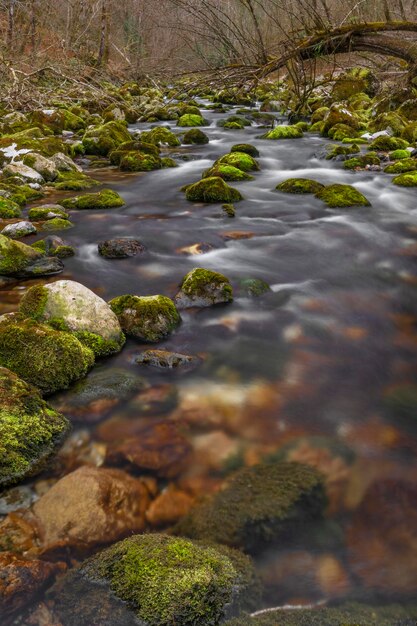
212	190
254	287
30	430
164	359
150	318
342	196
157	580
202	288
300	185
106	199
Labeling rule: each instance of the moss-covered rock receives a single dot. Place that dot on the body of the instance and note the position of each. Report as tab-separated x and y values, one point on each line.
398	155
339	132
72	307
391	120
300	185
74	181
168	162
385	143
409	133
259	506
19	229
157	580
15	257
45	167
57	223
227	172
284	132
355	81
47	212
139	162
191	120
360	162
195	136
9	209
401	166
149	318
106	199
229	209
202	288
212	189
19	170
103	139
340	114
241	160
334	151
246	148
409	179
30	431
160	136
254	287
57	120
342	196
47	358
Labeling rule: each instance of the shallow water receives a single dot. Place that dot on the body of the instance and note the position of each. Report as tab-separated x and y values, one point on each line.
315	356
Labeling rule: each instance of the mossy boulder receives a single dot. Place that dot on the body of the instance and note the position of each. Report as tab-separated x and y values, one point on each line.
47	358
9	209
57	223
259	506
339	132
334	150
340	114
409	179
211	190
72	307
241	160
409	133
391	120
398	155
19	229
149	318
401	166
246	148
30	430
354	81
16	257
385	143
191	120
284	132
45	167
234	122
195	136
143	147
19	170
227	172
202	288
342	196
300	185
57	120
157	580
361	162
106	199
160	136
47	212
139	162
74	181
105	138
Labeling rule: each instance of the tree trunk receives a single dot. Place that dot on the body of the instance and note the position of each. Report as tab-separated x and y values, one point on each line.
103	50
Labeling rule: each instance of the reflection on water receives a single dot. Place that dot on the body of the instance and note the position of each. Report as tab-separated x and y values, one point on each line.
312	371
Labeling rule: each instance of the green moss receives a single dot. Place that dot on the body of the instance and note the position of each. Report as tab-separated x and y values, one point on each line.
246	148
57	223
299	185
361	162
205	285
15	256
63	252
100	346
49	359
160	136
40	246
319	114
229	209
74	181
212	189
106	199
30	431
227	172
388	120
150	318
58	120
340	115
254	287
41	213
317	127
103	139
386	144
234	121
23	194
34	302
9	209
342	196
335	150
168	162
241	160
409	133
191	120
195	136
258	506
404	165
408	179
284	132
356	141
139	162
339	132
397	155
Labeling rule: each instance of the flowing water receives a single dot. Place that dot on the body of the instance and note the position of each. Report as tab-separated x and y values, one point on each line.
317	355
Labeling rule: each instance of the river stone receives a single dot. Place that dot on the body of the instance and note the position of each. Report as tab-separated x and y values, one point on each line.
202	288
30	431
64	163
15	257
150	318
258	506
157	580
120	248
24	172
165	359
46	266
70	306
47	212
20	229
45	167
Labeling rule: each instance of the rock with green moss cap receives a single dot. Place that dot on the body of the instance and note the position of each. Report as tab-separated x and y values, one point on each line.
241	160
229	210
385	143
103	139
23	172
398	155
57	120
361	162
247	148
300	185
202	288
352	614
342	196
191	120
157	580
57	223
213	189
195	136
401	166
409	179
106	199
74	181
45	357
340	114
136	161
160	136
70	306
227	173
284	132
9	209
150	318
64	163
16	257
30	430
260	505
133	146
47	212
334	151
46	168
19	229
254	287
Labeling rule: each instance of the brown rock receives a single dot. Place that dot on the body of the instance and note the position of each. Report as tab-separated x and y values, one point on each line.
20	582
382	538
157	446
91	506
157	400
169	507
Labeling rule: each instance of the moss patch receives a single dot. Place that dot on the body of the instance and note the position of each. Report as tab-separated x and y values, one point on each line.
106	199
241	160
401	166
300	185
211	190
195	136
247	148
57	223
150	318
342	196
74	181
191	120
15	256
406	180
284	132
9	209
386	144
139	162
160	136
227	172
